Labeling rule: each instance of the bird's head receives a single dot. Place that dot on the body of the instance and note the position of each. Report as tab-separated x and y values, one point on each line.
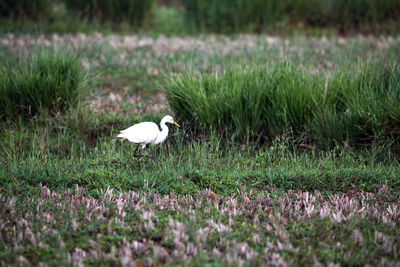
169	119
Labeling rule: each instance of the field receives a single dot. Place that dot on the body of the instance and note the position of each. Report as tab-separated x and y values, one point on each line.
310	176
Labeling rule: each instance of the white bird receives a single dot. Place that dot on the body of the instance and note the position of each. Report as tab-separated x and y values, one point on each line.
147	132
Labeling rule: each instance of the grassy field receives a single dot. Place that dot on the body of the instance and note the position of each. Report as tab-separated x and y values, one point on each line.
70	193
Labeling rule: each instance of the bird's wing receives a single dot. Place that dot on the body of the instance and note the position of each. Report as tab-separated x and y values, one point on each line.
144	132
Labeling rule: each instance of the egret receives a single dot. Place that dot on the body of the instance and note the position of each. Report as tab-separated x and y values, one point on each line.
147	132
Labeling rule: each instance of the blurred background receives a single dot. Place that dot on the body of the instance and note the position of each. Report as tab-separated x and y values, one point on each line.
177	17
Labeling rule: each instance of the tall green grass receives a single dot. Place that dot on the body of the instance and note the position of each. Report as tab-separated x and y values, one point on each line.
241	15
258	103
46	81
132	11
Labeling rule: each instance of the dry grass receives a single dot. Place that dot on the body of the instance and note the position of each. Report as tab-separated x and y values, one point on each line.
154	54
121	103
244	229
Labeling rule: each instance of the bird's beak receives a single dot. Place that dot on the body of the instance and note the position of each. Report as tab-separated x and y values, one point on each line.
176	124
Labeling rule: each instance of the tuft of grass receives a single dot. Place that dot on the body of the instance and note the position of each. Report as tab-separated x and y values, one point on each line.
49	81
258	103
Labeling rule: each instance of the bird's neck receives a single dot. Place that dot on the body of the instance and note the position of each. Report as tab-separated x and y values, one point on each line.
164	128
163	134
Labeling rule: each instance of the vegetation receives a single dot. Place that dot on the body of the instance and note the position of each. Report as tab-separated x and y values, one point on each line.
69	153
220	194
195	16
133	12
46	81
25	9
257	103
297	228
227	16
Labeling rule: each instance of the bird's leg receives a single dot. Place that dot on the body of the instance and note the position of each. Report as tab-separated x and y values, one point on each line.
138	163
134	153
140	155
157	151
167	147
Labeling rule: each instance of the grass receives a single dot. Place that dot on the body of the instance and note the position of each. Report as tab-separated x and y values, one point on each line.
70	193
299	228
124	175
257	103
46	81
138	63
68	152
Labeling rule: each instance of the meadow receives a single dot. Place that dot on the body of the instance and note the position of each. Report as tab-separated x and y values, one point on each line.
288	151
